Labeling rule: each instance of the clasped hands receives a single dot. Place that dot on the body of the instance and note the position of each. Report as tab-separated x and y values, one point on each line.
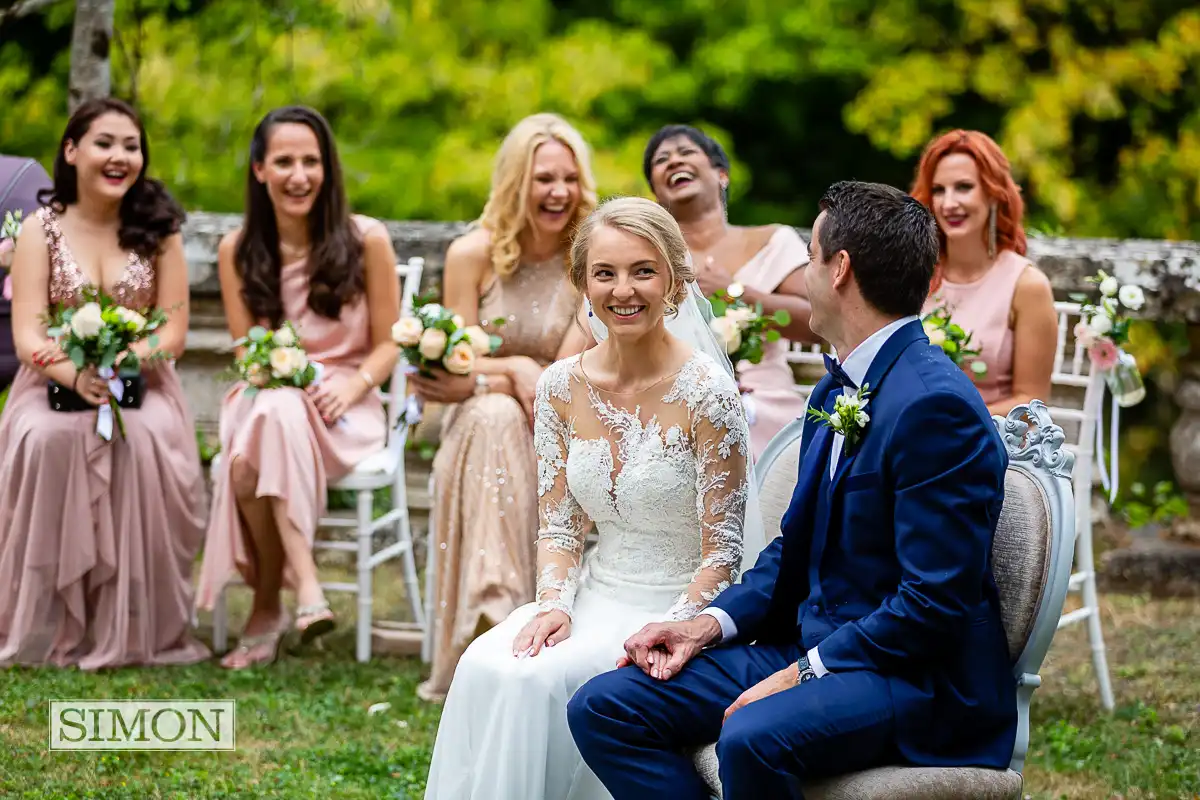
661	650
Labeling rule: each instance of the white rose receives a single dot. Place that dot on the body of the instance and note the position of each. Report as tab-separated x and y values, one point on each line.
1100	324
131	317
430	310
433	343
287	361
735	290
458	321
937	337
407	331
727	331
1131	297
87	321
1108	286
284	337
460	360
480	342
739	315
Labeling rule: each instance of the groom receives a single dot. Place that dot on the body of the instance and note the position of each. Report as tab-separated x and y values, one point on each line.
869	632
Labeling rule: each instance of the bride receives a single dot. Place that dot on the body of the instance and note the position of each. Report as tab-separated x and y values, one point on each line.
644	438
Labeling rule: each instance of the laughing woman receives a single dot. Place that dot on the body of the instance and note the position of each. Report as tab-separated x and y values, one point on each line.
688	171
301	257
97	538
512	267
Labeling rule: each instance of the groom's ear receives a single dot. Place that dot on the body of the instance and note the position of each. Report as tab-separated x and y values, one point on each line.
840	273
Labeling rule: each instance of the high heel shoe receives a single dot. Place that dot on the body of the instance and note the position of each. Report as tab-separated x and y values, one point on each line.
321	625
246	644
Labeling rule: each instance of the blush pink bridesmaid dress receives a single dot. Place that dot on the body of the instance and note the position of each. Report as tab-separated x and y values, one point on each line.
281	435
98	539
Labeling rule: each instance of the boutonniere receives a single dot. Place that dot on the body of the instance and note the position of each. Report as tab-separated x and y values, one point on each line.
849	416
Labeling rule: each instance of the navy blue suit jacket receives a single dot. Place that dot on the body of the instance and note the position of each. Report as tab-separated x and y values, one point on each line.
903	558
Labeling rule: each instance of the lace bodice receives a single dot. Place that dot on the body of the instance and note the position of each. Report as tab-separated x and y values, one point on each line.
136	289
661	475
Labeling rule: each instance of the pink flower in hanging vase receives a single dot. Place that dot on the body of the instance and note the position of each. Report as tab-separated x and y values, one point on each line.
1104	354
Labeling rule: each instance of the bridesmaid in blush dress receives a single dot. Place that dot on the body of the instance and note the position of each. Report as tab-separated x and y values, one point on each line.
98	538
688	171
300	257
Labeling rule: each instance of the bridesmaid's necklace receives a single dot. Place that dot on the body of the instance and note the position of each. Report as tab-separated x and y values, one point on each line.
292	253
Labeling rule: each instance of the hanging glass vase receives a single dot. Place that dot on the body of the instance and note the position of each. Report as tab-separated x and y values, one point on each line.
1125	381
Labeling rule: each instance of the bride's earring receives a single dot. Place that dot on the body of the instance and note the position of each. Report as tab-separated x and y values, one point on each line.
991	241
589	305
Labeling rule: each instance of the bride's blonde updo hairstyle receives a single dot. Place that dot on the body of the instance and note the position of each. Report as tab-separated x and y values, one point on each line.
507	211
650	221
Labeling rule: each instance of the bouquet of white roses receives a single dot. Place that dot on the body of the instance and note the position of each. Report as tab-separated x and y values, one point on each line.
9	231
274	360
437	338
954	340
98	332
1102	330
741	327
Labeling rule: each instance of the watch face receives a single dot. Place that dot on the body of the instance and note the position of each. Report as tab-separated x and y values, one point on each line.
807	676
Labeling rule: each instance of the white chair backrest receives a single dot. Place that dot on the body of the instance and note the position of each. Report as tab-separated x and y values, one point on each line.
1075	391
776	473
409	275
1033	549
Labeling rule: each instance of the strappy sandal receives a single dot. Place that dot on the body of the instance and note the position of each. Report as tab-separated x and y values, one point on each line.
247	643
318	627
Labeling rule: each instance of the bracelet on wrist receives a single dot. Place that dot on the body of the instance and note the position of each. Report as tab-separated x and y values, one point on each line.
366	378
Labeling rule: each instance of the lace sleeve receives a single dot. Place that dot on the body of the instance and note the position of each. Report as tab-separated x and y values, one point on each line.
562	523
722	443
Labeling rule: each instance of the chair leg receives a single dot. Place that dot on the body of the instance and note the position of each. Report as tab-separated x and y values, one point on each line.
431	567
412	586
220	623
1091	600
362	646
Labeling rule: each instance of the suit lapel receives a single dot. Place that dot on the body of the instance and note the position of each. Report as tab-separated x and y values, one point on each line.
884	360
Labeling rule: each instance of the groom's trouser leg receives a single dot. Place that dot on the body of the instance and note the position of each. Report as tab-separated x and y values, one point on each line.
631	728
840	723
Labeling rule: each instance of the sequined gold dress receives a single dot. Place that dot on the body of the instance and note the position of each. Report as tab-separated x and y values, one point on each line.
97	538
485	495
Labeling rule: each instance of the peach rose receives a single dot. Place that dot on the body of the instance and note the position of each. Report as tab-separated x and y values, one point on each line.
407	331
460	360
432	343
480	341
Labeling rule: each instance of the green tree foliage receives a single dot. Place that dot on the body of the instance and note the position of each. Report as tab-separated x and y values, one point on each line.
1097	102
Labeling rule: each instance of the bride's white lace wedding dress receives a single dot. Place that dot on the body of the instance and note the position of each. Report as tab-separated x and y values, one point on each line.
663	477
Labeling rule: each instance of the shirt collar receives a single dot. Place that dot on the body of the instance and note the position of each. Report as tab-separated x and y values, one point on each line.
860	358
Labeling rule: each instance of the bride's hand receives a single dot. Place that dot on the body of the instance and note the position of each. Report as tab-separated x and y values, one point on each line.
547	628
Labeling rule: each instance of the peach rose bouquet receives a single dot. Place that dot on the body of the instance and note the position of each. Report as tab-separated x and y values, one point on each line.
274	359
434	337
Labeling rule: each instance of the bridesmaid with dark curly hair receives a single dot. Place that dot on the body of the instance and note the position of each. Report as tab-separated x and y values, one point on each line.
97	538
300	256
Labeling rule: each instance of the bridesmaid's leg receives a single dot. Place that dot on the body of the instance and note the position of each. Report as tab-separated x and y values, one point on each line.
266	615
314	617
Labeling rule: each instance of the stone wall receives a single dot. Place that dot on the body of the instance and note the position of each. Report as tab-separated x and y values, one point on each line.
1168	271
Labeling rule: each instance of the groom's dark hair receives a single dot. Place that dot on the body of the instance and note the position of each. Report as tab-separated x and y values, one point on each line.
892	240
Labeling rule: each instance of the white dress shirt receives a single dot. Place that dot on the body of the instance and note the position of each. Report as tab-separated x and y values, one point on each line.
856	367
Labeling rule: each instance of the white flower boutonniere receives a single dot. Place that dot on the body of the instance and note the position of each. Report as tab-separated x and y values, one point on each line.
849	416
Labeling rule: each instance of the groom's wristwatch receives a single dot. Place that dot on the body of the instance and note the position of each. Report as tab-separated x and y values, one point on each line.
804	670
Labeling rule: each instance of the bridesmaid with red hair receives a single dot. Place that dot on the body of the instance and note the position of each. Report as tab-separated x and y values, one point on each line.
983	277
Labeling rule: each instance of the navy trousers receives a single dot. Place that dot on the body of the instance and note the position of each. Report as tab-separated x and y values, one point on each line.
633	730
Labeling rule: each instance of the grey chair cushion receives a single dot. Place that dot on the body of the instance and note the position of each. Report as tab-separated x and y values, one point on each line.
895	783
776	492
1021	556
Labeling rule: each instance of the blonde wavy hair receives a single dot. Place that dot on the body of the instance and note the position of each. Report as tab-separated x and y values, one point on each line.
648	220
507	211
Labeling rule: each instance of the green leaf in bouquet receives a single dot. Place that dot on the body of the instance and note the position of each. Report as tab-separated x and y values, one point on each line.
956	331
950	347
1077	297
782	317
494	343
250	391
758	309
499	321
75	353
109	356
456	336
258	334
772	335
719	306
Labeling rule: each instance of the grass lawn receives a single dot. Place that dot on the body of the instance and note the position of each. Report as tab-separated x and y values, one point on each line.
303	728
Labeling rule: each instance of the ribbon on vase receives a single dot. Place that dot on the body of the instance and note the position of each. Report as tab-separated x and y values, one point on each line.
1109	476
106	413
